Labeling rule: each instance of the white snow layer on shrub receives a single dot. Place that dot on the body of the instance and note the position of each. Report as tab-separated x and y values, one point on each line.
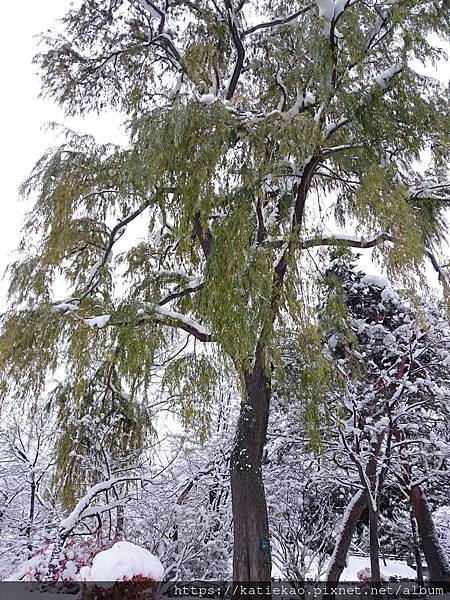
123	561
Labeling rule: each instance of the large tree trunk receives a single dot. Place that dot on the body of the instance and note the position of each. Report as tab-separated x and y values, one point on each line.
350	519
437	562
252	558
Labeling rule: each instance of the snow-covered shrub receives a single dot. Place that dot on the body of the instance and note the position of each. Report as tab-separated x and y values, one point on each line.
122	571
105	569
365	576
442	522
76	555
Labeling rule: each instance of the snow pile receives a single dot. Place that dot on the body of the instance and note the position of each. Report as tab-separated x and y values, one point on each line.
365	576
207	99
123	562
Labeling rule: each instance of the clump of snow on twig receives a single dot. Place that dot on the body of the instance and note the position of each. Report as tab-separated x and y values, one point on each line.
98	322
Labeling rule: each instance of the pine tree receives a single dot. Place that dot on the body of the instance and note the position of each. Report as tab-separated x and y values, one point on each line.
248	121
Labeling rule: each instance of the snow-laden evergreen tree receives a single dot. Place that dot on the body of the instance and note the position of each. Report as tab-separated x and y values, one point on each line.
391	421
249	123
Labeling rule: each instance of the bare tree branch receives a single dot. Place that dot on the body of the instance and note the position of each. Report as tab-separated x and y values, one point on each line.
279	21
239	49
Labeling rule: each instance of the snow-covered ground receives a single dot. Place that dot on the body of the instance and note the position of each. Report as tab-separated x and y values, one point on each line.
393	568
397	569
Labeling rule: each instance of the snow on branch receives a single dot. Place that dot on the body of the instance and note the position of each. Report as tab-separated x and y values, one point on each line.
98	322
431	190
442	275
83	510
94	511
93	277
240	50
342	239
194	285
331	11
384	78
152	9
345	517
176	319
277	22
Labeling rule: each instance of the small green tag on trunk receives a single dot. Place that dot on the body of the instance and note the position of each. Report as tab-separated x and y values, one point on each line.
265	544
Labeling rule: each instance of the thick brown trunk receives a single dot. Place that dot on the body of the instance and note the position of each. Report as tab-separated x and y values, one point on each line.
351	518
375	574
438	565
252	557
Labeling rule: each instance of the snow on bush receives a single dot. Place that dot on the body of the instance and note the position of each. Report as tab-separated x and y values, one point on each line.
365	576
442	522
377	281
123	562
75	555
93	559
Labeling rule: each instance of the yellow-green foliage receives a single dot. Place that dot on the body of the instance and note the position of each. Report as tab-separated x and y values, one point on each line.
191	382
221	180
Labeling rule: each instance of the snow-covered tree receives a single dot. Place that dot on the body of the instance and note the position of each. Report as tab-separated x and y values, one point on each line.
28	504
391	421
248	121
190	503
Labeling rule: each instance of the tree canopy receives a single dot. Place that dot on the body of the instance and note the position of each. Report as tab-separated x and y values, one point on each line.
260	133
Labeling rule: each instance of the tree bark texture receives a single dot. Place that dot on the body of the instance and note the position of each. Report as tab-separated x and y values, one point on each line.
352	516
437	563
252	556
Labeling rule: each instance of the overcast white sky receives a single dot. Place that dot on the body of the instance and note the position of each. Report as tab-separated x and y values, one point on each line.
23	115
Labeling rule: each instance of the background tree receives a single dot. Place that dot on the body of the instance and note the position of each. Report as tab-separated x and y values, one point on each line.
248	122
28	497
390	423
